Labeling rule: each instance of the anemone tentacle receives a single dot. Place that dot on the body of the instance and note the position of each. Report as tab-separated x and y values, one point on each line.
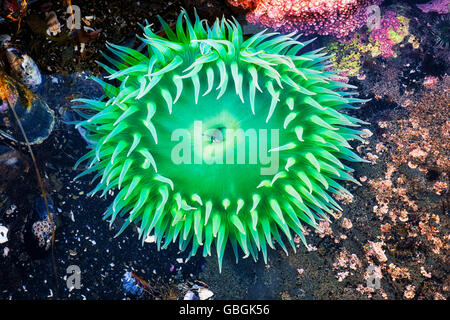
212	74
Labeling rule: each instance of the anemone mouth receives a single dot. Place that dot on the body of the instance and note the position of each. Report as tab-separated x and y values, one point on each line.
217	139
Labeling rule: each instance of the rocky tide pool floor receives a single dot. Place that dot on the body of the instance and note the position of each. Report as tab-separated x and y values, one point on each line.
392	234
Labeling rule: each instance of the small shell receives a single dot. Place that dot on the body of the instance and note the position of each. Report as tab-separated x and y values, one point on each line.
204	293
3	234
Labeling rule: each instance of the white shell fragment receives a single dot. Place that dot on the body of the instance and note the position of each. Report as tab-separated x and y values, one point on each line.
150	239
198	292
204	293
3	234
190	296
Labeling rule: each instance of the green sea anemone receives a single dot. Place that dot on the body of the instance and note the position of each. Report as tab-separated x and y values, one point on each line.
209	83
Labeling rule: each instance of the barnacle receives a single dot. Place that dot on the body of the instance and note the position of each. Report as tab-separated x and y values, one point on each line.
210	79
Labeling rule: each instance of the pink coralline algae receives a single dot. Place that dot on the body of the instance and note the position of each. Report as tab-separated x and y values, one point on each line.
386	36
338	18
439	6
